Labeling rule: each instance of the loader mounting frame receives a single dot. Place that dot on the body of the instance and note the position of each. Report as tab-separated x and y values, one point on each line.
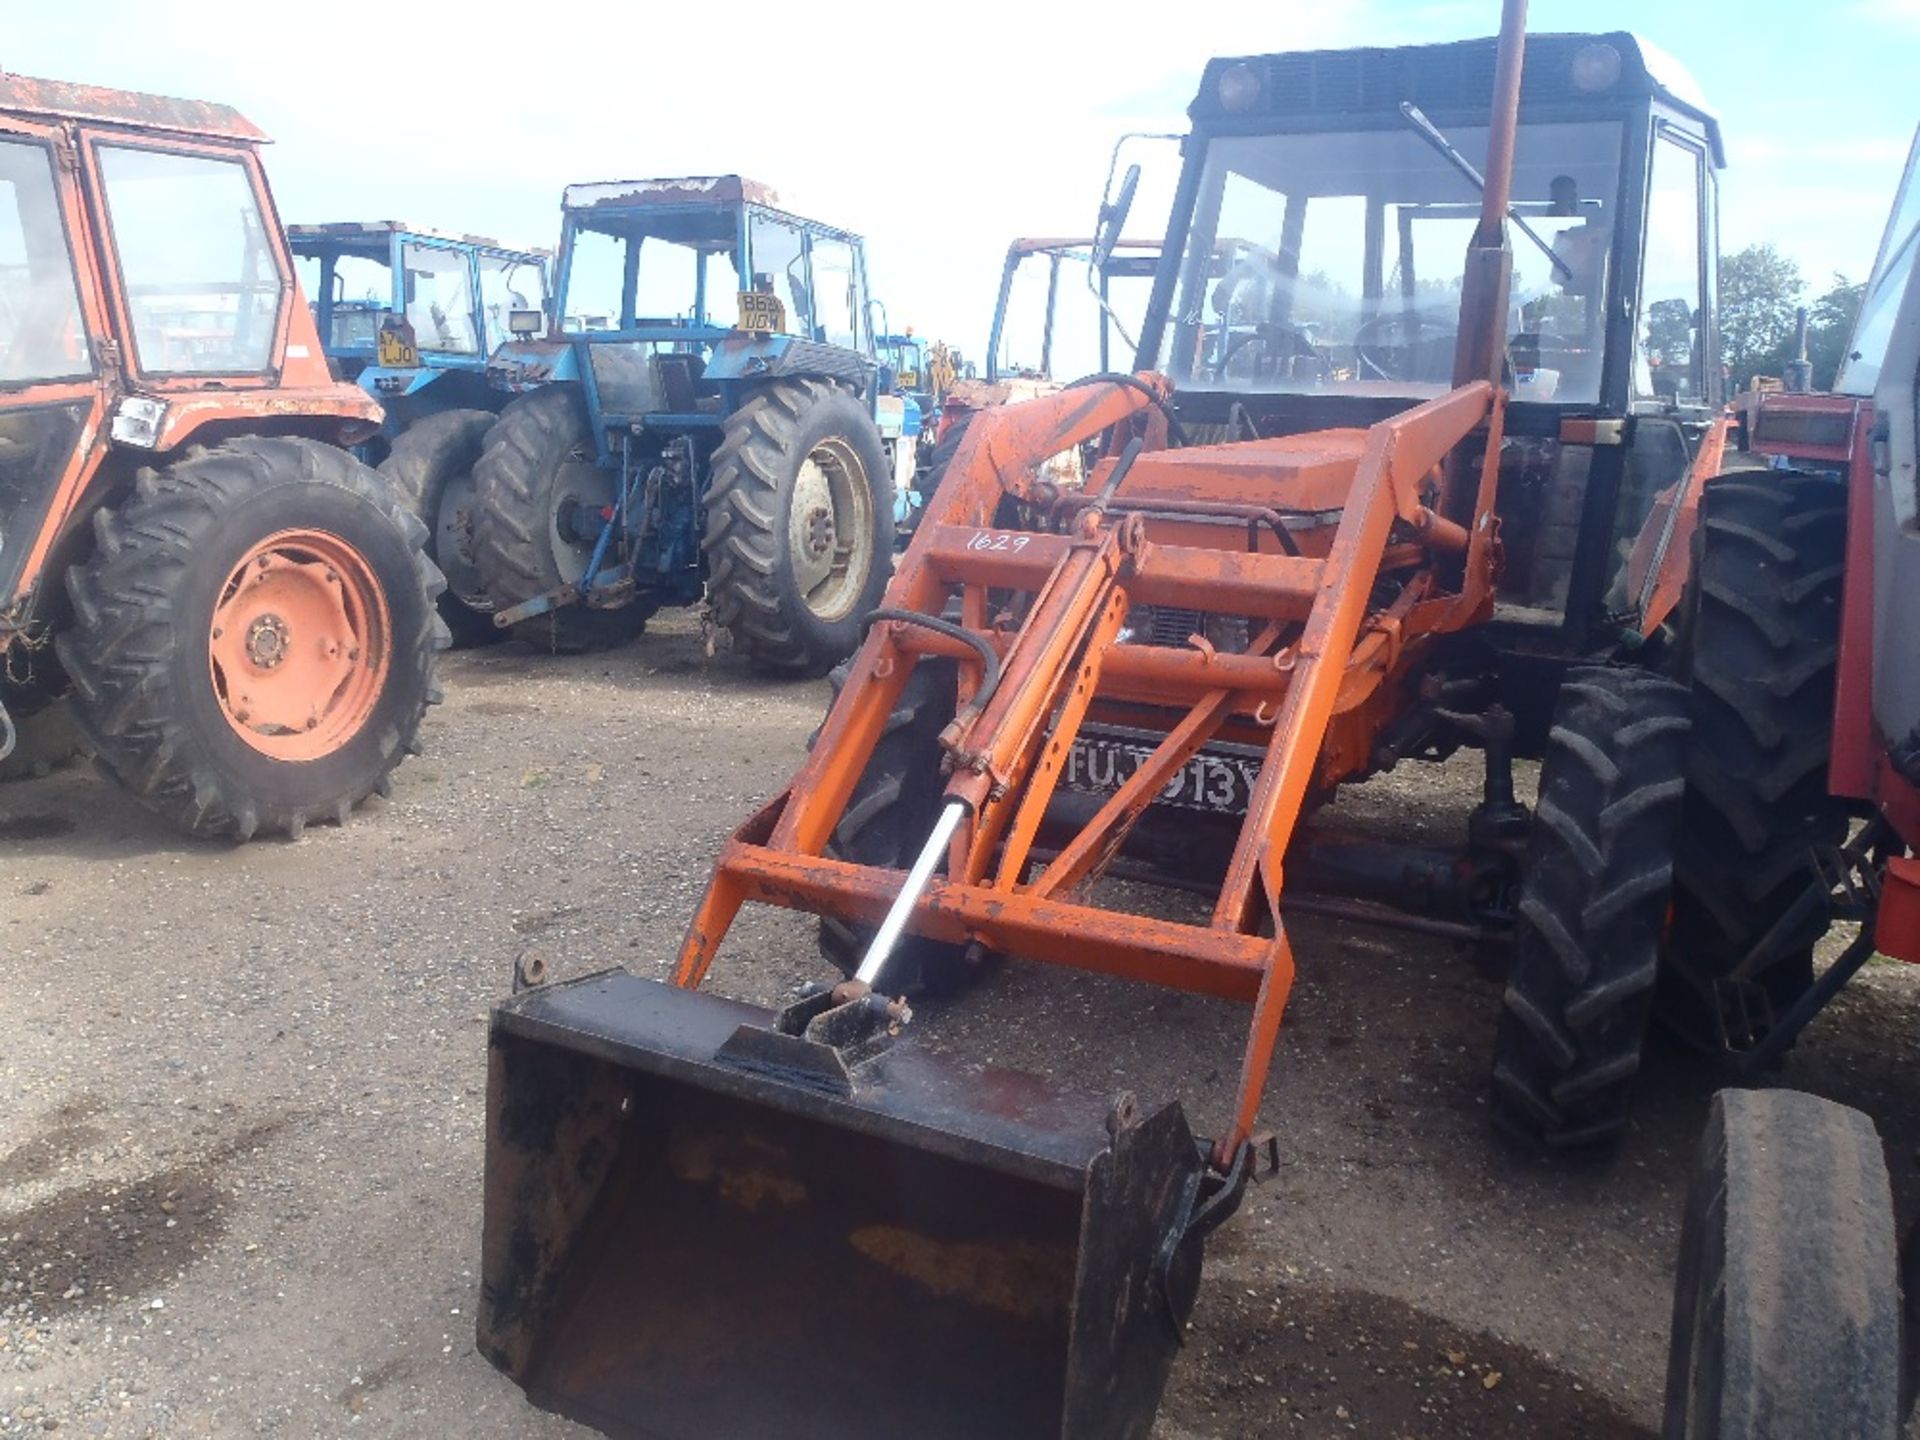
1386	542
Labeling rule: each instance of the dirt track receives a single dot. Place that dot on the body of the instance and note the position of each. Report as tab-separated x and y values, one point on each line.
241	1130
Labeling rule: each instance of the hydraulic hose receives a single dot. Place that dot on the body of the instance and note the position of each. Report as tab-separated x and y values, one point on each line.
989	656
1175	434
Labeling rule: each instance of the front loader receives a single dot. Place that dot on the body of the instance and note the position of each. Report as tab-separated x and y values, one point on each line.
709	1218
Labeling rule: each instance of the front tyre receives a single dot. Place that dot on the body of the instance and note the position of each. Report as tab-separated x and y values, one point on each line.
1786	1307
253	638
800	529
1599	877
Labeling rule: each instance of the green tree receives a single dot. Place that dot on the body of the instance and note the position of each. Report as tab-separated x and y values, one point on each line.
1759	291
1830	323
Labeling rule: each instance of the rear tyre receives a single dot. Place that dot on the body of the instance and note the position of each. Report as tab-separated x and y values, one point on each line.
1763	639
253	639
431	464
888	819
1786	1307
799	538
536	467
1592	908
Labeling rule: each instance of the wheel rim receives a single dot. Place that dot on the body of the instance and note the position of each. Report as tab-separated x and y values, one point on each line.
583	484
453	543
300	645
830	530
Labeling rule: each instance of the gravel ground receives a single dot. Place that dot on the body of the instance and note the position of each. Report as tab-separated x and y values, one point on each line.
241	1135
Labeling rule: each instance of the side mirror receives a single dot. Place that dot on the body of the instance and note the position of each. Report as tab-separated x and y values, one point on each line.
1113	219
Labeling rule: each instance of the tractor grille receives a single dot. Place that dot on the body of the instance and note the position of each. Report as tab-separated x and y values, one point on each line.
1169	626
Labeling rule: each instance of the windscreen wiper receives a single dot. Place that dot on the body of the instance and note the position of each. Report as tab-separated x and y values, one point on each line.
1429	132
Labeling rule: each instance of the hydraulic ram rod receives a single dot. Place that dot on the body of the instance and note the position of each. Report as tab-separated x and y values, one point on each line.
930	855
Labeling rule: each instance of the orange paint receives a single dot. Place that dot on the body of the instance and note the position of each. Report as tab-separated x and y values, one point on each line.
1389	562
300	645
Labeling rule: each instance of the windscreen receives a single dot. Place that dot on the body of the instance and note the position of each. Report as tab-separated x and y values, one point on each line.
362	293
661	268
1053	325
1873	332
1333	262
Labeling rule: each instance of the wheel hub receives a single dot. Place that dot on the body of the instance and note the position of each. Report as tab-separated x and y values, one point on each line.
819	530
267	640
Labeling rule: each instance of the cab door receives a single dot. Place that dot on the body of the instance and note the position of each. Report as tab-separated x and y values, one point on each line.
1884	362
52	356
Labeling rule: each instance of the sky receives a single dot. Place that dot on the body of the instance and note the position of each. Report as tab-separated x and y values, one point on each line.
939	133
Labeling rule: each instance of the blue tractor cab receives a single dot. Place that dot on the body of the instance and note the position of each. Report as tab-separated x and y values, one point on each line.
411	315
703	416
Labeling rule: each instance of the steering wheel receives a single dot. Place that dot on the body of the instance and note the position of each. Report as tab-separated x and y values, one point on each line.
1270	349
1387	345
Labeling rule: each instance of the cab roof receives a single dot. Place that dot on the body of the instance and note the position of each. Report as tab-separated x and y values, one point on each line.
54	100
680	190
349	234
1453	76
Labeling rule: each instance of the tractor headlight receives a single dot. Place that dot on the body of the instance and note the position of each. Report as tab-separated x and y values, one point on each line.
1596	67
525	323
1238	88
137	421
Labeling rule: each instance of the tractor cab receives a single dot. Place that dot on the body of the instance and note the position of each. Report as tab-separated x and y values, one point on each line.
1315	263
906	356
1059	315
671	292
400	308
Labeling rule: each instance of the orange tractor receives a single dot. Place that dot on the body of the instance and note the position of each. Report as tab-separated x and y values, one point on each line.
239	612
1454	509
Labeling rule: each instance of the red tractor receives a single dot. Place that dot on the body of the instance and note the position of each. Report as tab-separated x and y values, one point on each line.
239	612
1788	1312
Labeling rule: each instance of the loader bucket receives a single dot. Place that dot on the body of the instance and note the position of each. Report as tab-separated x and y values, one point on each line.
698	1226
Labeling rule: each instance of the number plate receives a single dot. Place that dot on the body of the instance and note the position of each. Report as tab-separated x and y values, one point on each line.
1218	782
762	314
396	350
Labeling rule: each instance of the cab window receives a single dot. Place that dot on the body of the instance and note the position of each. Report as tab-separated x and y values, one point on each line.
196	261
440	299
508	283
780	270
41	334
836	293
1668	353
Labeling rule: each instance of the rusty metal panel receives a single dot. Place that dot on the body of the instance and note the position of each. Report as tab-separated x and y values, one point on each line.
64	100
680	190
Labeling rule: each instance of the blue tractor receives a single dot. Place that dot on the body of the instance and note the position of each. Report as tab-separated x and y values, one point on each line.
412	315
701	418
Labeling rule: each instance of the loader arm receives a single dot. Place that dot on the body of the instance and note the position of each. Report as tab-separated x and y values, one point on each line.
1347	590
